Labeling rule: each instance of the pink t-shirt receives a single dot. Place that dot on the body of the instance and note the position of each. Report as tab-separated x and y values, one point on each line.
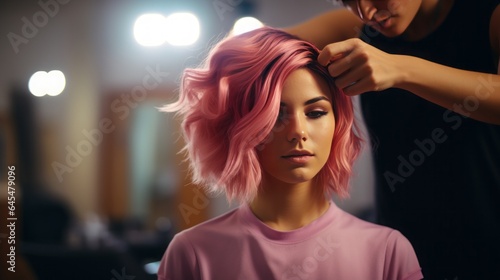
337	245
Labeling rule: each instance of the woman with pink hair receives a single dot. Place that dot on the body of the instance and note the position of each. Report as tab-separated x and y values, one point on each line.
264	123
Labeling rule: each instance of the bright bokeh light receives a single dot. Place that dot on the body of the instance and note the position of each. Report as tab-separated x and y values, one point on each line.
246	24
56	82
150	30
37	83
152	268
42	83
183	29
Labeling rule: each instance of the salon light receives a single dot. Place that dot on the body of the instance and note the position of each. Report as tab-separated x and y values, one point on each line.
42	83
150	30
183	29
152	268
246	24
37	83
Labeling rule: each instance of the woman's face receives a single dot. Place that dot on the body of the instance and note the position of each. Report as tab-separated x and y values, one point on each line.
390	17
299	144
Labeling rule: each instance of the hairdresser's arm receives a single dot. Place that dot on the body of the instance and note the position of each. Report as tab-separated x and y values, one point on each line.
333	26
360	67
472	94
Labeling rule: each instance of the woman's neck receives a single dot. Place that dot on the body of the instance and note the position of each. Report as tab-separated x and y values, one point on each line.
286	207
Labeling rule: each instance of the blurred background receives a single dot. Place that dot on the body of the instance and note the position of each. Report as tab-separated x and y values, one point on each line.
100	188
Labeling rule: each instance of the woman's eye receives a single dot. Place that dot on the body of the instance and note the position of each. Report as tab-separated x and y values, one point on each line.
316	114
281	115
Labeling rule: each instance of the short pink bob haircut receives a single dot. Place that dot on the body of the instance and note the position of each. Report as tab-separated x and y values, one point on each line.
230	105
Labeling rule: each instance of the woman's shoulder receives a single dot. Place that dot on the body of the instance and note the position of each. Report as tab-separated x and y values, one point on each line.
356	226
377	237
196	244
223	224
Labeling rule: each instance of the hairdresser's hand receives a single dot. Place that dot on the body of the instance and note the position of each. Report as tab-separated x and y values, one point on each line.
359	67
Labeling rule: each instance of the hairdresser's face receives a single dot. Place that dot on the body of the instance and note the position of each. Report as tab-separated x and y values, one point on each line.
299	145
390	17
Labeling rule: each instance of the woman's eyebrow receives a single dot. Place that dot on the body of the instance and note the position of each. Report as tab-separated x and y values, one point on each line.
310	101
316	99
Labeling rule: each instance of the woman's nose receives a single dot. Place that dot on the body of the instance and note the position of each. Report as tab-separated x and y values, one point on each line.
296	130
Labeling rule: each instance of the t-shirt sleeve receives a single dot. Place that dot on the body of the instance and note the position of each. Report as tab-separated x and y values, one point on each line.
401	262
179	260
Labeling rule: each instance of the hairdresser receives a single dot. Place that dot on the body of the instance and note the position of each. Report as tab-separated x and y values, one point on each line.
427	73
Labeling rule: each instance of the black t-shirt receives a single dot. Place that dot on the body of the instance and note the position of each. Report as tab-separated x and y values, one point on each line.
438	173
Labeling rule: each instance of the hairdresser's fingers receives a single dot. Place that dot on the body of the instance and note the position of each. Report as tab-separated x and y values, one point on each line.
346	80
351	78
365	80
345	64
357	88
372	70
335	51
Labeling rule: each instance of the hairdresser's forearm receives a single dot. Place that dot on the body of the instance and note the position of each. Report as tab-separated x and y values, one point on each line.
473	94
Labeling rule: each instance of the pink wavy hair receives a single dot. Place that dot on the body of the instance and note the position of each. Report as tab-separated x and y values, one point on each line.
230	105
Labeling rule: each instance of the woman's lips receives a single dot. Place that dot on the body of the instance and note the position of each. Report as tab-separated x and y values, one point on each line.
299	159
